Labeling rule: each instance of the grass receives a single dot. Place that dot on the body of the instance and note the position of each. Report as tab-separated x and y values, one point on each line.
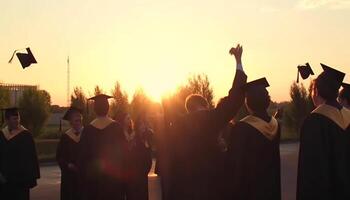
46	149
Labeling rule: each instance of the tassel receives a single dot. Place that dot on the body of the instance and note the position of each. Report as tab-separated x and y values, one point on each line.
298	75
13	55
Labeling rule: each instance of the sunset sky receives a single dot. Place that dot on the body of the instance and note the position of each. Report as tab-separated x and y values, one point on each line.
157	44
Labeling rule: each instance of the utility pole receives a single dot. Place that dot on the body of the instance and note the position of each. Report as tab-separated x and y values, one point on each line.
68	83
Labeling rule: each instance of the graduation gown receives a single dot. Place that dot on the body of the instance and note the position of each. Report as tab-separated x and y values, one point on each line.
192	149
18	164
100	160
254	160
67	153
137	164
323	171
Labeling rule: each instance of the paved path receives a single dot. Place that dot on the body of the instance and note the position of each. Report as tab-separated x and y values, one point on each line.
49	184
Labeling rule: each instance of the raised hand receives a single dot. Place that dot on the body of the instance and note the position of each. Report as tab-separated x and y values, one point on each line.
237	52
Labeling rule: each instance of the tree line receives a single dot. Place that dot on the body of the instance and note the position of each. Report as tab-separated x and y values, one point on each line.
35	105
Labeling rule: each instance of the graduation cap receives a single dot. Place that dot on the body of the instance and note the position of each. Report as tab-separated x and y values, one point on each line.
256	84
70	112
99	100
26	59
305	71
334	76
100	97
345	92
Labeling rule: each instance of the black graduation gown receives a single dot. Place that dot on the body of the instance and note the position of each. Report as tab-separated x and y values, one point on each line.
324	156
137	164
100	163
193	149
67	152
19	166
254	162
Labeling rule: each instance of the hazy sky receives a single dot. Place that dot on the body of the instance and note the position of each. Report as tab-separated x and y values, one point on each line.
157	44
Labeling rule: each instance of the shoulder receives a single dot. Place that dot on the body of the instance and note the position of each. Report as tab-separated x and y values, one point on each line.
315	119
240	129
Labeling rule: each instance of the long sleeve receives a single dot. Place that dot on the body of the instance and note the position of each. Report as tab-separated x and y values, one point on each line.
61	154
229	106
32	164
314	167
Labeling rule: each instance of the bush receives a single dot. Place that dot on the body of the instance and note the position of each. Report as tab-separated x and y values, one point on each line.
46	149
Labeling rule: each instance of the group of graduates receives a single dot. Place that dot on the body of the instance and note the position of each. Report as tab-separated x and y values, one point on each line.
203	154
107	159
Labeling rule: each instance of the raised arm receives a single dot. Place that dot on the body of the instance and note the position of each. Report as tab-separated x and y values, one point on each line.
229	106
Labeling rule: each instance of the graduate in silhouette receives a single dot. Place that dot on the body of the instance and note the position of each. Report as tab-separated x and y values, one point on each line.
100	155
19	169
323	169
67	154
254	155
188	165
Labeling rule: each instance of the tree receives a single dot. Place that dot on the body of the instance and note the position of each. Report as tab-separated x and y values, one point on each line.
4	97
98	90
174	105
120	102
140	104
200	84
300	106
35	109
79	100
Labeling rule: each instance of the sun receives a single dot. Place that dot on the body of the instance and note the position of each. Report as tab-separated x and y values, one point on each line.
160	83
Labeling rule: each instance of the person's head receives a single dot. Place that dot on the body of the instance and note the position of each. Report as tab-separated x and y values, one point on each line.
196	102
101	105
316	99
344	96
141	124
12	118
327	84
75	118
257	98
124	120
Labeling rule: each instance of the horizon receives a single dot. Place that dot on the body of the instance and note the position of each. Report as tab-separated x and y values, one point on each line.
156	44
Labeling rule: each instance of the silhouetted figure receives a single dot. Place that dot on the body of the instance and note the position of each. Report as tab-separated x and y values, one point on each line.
19	169
188	168
344	96
254	155
324	155
137	158
100	156
67	155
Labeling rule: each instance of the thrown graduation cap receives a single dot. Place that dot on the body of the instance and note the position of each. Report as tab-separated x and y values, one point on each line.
305	71
334	76
71	111
259	83
26	59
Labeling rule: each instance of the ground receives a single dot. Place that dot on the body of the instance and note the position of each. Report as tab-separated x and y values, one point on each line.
49	184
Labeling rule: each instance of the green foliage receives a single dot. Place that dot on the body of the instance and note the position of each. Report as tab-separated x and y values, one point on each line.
174	104
299	107
4	97
79	100
200	84
120	102
35	109
140	104
46	149
98	90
